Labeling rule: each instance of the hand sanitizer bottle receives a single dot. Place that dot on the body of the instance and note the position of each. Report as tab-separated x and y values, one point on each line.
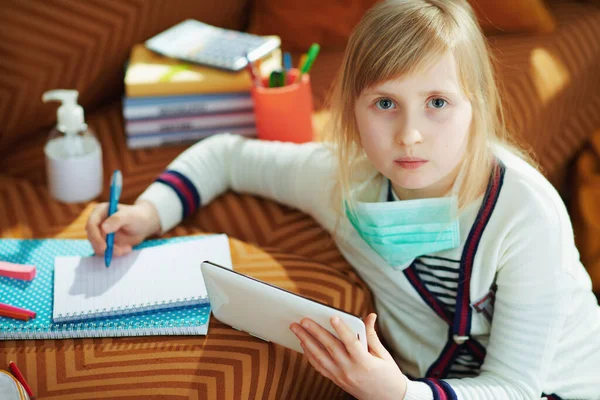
73	154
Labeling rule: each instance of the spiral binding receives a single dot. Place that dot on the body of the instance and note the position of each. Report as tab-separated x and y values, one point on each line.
103	329
116	311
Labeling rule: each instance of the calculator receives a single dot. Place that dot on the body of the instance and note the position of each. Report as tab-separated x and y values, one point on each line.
196	42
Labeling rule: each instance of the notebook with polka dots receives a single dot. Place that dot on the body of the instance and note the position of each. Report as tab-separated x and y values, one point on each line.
37	295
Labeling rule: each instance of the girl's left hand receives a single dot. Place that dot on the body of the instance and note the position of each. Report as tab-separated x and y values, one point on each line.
371	374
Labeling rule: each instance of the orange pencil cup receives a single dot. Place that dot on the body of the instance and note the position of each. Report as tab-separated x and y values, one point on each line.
284	113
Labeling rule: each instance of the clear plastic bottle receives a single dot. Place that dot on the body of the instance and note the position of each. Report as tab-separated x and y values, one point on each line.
73	153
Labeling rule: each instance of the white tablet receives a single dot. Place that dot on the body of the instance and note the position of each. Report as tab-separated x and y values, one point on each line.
266	311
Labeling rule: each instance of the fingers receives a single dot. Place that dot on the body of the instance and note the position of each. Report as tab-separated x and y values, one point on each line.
323	360
375	346
92	228
123	244
316	364
331	346
98	226
121	250
115	222
351	342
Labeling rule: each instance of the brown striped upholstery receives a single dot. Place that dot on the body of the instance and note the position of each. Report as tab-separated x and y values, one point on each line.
552	84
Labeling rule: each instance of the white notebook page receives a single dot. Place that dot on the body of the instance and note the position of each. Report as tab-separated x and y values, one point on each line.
148	279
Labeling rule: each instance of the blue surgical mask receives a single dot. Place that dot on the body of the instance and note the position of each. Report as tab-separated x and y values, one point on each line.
400	231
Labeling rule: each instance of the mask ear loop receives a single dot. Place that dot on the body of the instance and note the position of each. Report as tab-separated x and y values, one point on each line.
454	192
455	203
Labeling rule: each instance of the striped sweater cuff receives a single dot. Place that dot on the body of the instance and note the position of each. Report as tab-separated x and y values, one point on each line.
427	389
174	198
185	190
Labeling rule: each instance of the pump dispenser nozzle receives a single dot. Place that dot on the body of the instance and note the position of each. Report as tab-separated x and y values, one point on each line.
69	115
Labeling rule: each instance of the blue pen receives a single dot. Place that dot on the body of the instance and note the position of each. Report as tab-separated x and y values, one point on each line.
116	184
287	61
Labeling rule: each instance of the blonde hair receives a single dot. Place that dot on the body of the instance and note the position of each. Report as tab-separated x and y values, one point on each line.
398	37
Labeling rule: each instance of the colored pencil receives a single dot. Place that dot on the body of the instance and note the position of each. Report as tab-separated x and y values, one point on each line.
17	310
15	371
13	315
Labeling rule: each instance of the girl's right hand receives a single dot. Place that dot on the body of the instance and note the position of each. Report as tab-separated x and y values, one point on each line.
131	224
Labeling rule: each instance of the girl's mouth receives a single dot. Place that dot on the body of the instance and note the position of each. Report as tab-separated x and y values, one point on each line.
410	162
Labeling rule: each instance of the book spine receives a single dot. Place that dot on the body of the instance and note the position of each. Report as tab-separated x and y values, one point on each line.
157	140
210	121
184	88
133	112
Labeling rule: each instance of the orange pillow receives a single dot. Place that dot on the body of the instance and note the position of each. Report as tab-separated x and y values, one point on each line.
301	22
512	16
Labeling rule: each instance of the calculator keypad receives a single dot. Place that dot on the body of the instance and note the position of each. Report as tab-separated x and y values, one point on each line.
205	44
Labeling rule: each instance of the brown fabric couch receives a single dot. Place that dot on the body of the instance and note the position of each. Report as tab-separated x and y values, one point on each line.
550	82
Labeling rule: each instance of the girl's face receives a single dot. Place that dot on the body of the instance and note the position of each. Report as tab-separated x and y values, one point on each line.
414	129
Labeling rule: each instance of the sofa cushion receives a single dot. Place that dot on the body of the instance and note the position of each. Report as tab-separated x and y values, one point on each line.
585	209
514	16
551	85
83	45
301	23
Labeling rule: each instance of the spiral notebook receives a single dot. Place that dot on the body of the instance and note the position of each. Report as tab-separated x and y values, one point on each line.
147	279
37	295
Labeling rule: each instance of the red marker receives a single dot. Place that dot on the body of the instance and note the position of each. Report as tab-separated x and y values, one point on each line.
8	309
15	371
14	315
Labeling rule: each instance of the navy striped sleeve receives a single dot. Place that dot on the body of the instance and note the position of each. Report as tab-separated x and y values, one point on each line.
184	188
441	390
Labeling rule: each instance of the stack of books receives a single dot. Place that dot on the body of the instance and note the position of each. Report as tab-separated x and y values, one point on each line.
168	101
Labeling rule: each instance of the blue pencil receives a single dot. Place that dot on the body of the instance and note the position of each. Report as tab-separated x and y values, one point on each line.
287	61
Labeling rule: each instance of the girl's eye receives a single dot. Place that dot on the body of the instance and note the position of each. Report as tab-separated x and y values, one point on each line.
385	104
437	103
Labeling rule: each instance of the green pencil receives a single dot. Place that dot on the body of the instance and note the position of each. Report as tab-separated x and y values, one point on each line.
310	59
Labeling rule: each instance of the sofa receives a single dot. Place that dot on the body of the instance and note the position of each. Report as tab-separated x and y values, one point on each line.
550	83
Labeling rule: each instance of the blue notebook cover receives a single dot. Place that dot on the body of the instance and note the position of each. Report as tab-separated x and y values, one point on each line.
37	295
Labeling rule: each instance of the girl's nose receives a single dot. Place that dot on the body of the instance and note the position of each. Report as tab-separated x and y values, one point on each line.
408	134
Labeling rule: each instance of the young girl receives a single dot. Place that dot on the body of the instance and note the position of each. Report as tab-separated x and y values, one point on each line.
467	248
